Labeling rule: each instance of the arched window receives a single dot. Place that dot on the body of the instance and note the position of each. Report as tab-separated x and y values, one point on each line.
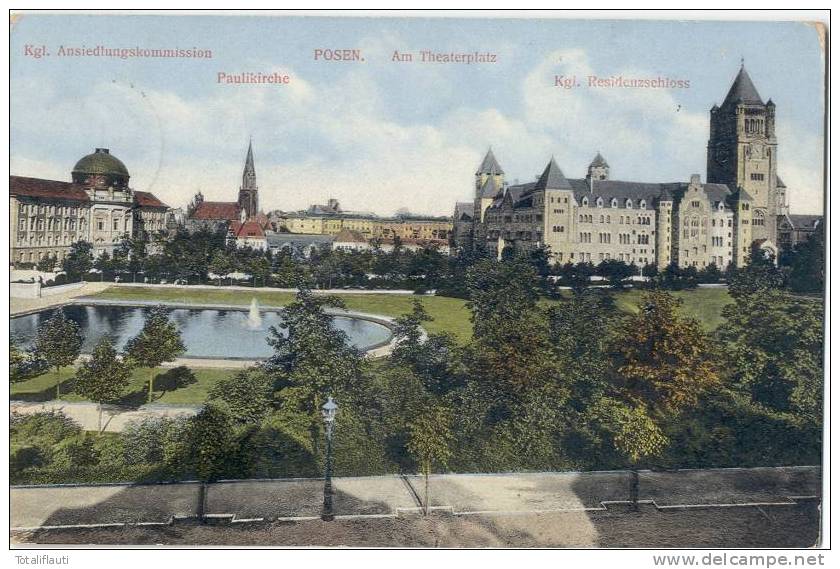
585	202
614	203
642	204
600	202
608	219
601	220
628	204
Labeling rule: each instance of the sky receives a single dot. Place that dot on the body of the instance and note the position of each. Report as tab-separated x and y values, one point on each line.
380	135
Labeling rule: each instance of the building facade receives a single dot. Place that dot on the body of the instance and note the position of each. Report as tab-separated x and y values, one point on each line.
690	223
97	206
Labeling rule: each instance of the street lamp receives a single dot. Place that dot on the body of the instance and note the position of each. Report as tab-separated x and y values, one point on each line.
328	412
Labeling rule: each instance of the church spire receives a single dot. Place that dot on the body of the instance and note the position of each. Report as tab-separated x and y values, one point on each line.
248	199
249	175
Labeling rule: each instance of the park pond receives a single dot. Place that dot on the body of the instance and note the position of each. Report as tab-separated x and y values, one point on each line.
207	333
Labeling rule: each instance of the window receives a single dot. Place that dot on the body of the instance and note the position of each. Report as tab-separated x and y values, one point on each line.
757	177
695	203
585	202
614	203
600	202
628	204
642	204
100	225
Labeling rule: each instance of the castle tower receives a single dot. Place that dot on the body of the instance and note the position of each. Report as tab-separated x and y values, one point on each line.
489	184
598	169
248	198
742	151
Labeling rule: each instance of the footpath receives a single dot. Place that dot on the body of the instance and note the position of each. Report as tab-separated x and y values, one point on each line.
395	496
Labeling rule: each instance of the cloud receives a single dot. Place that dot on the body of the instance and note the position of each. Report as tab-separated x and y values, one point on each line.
341	138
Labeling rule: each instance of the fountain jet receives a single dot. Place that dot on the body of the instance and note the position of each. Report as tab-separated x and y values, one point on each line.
254	318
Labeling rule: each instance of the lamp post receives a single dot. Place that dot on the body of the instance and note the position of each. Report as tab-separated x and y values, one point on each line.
328	412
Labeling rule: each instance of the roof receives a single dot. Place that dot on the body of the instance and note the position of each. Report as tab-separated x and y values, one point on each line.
742	90
246	230
552	178
599	161
228	211
780	183
50	189
349	236
636	192
148	199
489	165
298	238
801	221
100	162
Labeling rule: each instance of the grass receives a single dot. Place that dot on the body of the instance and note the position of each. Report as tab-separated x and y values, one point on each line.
172	385
450	314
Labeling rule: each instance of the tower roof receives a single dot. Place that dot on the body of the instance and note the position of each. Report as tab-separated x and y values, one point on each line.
599	161
489	165
249	175
552	178
743	90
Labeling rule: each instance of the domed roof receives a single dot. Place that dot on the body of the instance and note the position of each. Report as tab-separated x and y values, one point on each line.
101	162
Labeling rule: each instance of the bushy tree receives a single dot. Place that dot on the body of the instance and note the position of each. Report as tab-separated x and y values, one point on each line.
58	342
663	360
499	293
47	263
248	394
759	275
616	272
807	263
104	377
159	341
79	260
312	359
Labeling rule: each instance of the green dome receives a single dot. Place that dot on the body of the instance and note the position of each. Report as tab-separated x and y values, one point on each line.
101	162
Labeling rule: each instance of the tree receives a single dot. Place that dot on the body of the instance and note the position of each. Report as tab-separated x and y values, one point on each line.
662	360
58	342
313	359
760	274
430	441
159	341
103	263
773	351
673	277
499	293
710	274
577	276
248	395
807	272
220	265
103	377
47	263
615	272
78	261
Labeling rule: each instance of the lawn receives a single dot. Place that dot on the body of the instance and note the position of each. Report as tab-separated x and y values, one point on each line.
175	386
450	314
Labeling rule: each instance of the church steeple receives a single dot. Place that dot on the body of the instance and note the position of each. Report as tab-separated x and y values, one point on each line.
489	168
248	198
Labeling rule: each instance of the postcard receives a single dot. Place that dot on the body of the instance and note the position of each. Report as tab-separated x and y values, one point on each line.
416	280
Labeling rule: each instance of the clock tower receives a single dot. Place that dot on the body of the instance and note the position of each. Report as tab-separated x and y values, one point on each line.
742	151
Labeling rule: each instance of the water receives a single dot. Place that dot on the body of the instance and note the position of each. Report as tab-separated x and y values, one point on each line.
206	333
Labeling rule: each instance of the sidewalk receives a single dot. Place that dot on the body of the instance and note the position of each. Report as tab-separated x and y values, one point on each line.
395	496
20	306
114	418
